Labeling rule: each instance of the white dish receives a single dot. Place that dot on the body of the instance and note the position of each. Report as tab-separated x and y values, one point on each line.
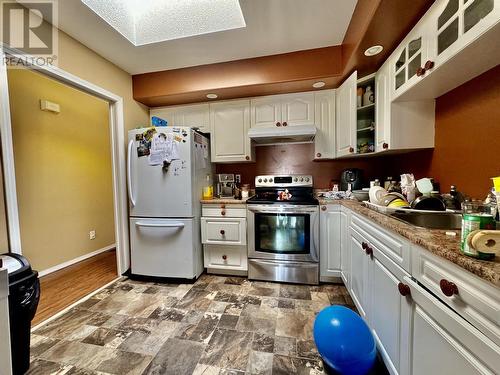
376	194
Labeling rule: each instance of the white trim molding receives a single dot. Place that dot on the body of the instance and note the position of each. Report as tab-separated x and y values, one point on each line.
117	129
75	260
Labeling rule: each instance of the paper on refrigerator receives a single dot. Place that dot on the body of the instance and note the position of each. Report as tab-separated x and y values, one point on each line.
164	147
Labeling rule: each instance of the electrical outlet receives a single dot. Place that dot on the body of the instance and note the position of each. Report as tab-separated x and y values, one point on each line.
237	178
92	234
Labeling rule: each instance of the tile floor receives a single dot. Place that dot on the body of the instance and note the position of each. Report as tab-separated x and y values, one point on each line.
219	325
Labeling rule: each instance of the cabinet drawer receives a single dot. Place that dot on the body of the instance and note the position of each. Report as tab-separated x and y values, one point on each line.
224	210
231	257
474	299
396	249
230	231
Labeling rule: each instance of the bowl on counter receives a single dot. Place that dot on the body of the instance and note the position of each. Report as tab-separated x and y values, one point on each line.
361	195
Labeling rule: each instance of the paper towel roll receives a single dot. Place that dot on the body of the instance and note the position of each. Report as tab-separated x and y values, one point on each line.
487	241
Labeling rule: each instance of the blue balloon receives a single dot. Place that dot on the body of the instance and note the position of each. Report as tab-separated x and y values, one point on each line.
344	341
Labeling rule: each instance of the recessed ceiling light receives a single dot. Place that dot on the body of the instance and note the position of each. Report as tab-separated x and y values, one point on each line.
373	50
318	85
152	21
212	96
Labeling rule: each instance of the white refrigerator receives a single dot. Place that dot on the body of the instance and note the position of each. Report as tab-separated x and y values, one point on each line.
164	203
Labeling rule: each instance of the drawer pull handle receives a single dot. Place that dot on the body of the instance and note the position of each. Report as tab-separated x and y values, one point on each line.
448	288
420	72
351	149
222	232
429	65
247	157
404	290
278	124
224	257
223	213
385	146
364	245
323	208
369	251
222	206
285	124
318	155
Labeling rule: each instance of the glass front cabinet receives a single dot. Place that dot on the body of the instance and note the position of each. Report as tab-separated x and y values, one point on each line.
454	24
409	59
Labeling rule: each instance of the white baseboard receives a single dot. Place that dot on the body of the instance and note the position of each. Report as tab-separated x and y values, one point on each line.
76	260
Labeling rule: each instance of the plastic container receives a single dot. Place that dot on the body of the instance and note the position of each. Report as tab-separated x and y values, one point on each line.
208	189
245	191
476	216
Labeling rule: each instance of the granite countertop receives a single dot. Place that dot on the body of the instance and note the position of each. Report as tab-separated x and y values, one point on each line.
435	241
224	201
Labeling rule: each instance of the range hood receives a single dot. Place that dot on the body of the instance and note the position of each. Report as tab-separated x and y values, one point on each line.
288	134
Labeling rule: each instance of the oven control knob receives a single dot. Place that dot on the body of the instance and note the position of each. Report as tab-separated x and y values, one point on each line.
265	179
295	179
307	179
270	180
301	179
260	179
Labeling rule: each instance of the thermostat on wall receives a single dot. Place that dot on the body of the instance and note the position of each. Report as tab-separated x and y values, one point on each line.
45	105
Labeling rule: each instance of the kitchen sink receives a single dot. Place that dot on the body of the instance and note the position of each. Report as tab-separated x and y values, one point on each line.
430	220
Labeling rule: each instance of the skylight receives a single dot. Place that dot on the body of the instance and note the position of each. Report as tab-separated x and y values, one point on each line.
152	21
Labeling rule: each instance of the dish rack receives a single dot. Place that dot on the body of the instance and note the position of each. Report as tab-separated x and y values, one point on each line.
389	210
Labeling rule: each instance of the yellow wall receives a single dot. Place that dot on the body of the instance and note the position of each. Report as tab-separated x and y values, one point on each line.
79	60
63	169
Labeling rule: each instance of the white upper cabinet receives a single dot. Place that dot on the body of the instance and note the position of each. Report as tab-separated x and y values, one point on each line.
265	112
455	41
298	109
454	24
408	60
283	110
346	116
324	142
193	116
383	108
229	124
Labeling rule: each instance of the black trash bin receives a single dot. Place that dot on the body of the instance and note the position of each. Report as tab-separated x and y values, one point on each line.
24	294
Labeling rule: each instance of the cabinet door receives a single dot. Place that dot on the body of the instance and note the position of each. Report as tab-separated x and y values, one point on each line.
411	55
324	142
346	116
345	258
329	260
193	116
298	109
390	312
360	272
266	112
454	24
382	109
443	340
229	124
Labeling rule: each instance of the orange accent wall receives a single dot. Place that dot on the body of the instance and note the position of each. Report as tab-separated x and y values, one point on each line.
467	151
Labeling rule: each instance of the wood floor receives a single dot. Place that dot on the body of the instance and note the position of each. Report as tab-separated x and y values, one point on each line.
64	287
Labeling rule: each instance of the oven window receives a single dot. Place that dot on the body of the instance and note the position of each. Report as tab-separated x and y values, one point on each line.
282	233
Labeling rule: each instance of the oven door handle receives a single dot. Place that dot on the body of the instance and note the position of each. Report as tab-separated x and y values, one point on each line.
288	210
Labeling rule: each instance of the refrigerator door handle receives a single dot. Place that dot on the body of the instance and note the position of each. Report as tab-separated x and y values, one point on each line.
129	173
159	225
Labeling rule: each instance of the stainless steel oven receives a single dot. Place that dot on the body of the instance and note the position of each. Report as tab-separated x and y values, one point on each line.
283	230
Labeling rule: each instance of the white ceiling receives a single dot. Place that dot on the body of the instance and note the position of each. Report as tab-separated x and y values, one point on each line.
273	27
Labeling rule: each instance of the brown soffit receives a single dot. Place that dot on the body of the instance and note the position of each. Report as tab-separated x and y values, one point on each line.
244	77
390	22
384	22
